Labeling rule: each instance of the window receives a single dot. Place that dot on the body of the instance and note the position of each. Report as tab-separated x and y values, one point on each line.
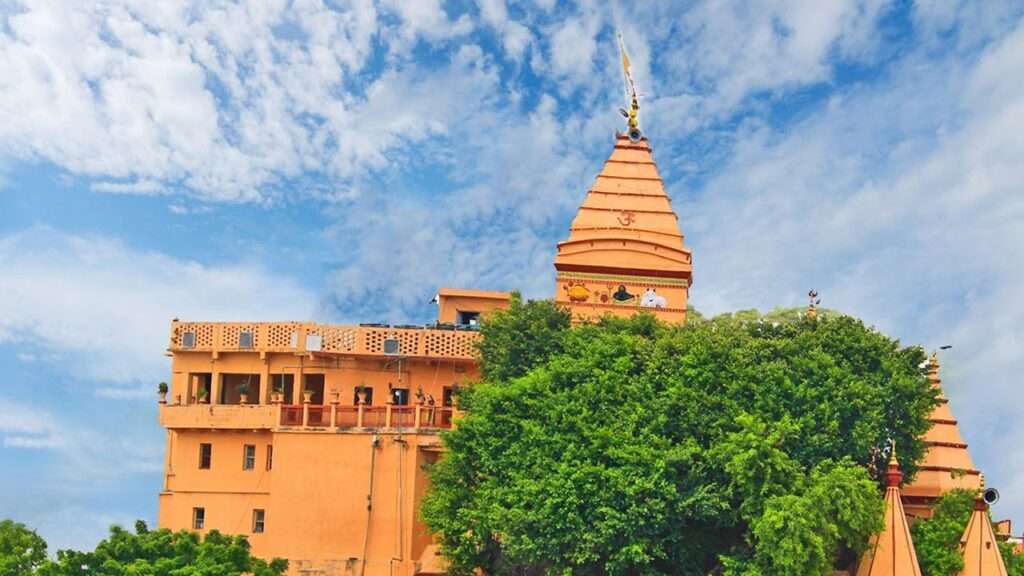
198	518
188	340
314	383
270	456
234	386
448	397
400	396
245	340
314	342
205	456
200	385
467	318
249	457
258	517
392	347
284	384
367	394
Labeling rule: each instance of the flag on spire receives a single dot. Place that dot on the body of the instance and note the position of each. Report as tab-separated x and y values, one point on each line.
632	116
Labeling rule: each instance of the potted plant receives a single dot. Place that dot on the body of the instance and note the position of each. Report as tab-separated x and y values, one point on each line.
307	395
334	396
243	393
161	389
361	394
204	395
278	394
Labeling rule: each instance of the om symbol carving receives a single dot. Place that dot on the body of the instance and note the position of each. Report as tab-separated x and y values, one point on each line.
627	217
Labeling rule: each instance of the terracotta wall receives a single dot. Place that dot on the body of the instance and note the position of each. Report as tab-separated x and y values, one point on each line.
315	498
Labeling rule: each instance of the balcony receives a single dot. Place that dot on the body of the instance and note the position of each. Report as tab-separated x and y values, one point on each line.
219	416
301	338
309	417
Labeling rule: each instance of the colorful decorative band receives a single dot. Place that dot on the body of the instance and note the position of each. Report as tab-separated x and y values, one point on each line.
624	279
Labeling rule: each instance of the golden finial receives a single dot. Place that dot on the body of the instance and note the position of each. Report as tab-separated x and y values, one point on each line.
633	114
981	479
812	306
892	454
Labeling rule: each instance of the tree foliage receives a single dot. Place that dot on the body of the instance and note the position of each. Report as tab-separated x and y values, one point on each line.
734	445
22	551
142	553
520	337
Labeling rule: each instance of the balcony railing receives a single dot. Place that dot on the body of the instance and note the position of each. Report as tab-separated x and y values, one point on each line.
296	337
305	417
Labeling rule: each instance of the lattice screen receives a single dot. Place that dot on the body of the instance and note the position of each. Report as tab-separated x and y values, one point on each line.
229	335
338	339
450	344
203	332
280	335
408	341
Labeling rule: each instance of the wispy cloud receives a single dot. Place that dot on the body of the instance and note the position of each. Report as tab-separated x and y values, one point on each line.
109	307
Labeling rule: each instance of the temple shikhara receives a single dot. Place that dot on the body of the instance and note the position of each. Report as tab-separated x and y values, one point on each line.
313	439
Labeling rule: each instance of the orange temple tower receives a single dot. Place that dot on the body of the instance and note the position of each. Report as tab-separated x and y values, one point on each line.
947	463
625	252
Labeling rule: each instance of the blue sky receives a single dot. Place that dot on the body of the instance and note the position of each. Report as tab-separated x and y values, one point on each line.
340	161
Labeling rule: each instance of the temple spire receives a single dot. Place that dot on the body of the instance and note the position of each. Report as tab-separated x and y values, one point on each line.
891	552
979	544
947	464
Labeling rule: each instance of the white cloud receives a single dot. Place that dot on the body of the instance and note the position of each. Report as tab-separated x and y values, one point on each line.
227	101
24	427
246	101
109	307
573	46
84	455
515	37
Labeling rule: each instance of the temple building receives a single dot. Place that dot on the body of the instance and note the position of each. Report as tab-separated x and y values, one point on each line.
313	439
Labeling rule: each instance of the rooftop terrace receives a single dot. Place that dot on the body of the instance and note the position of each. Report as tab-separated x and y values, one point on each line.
436	341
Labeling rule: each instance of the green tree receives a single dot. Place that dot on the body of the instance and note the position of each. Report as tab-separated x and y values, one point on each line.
733	445
164	553
22	551
524	335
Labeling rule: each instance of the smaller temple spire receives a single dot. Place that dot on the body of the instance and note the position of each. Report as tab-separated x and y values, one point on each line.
891	553
633	114
979	544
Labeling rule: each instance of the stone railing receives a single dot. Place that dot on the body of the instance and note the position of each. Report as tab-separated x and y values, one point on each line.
297	337
310	417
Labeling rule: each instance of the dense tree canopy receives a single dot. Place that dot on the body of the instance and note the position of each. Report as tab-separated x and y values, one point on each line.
738	445
142	553
21	550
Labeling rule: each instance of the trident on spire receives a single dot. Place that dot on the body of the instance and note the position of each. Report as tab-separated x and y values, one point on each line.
633	115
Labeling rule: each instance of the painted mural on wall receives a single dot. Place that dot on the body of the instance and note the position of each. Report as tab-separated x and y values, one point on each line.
579	292
651	299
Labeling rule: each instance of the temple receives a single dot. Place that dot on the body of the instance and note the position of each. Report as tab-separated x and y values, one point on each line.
313	439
